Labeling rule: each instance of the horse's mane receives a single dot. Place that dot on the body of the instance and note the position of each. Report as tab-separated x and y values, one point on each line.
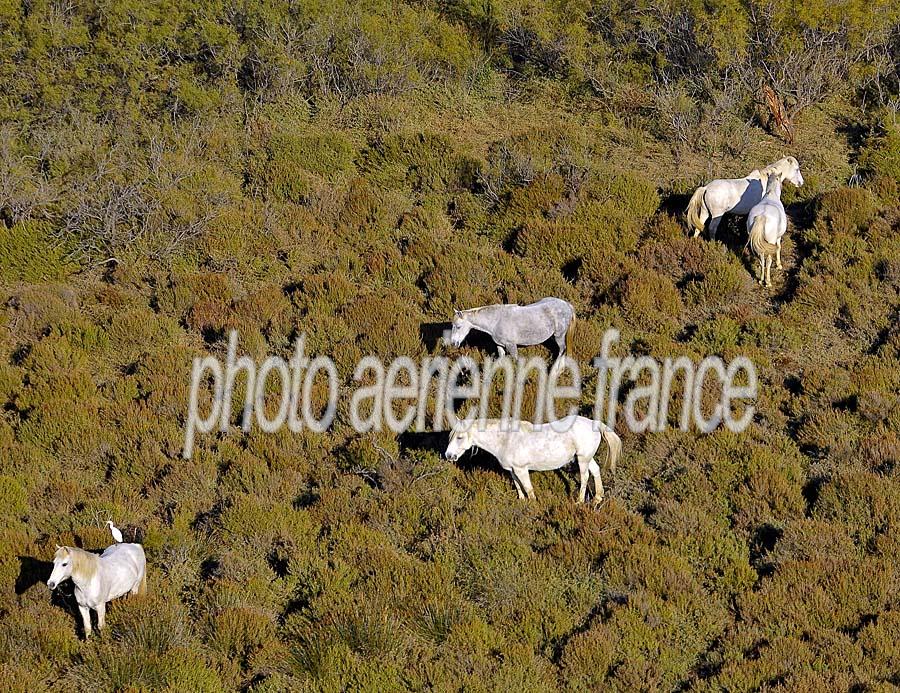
480	308
775	167
84	563
495	424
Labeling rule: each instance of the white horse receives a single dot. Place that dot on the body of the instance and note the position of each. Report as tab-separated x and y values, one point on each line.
736	195
766	225
511	325
521	447
120	569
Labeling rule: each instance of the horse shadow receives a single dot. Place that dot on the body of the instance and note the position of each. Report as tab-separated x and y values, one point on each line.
732	233
432	333
431	441
674	204
754	192
33	571
437	441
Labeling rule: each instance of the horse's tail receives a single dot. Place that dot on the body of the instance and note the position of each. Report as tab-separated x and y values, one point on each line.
758	243
613	445
696	211
570	332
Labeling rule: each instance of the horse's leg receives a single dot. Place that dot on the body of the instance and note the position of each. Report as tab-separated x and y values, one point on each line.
141	586
560	340
501	350
85	620
594	469
768	270
522	476
778	255
762	270
101	615
513	350
516	484
583	473
714	226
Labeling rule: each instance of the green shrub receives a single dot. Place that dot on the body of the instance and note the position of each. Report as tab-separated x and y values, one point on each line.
650	301
813	540
846	209
716	336
632	195
534	200
720	283
292	162
881	154
30	253
426	162
238	633
13	499
865	503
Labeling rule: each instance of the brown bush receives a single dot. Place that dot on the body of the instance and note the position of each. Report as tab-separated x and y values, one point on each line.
846	209
650	301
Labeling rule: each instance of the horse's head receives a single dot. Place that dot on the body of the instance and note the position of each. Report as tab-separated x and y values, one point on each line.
791	171
62	567
459	329
460	441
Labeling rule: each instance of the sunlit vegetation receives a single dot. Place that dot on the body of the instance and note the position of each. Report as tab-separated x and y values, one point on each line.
170	171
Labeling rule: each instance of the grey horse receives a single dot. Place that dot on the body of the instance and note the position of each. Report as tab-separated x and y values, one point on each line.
511	325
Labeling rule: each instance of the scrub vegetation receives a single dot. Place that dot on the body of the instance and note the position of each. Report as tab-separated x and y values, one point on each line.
170	171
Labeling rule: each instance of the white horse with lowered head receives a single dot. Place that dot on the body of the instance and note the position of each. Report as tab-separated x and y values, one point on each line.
120	569
766	225
521	446
736	195
511	325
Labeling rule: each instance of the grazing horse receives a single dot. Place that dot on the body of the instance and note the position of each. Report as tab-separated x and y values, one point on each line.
120	569
510	325
521	447
766	224
736	195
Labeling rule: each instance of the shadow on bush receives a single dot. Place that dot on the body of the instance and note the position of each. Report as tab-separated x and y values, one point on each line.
432	333
31	572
